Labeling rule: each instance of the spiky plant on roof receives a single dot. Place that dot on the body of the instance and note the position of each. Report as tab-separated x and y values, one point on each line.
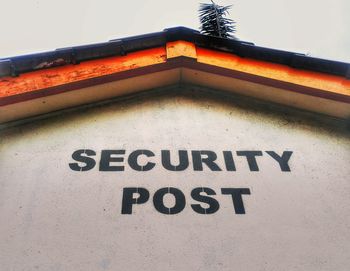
213	21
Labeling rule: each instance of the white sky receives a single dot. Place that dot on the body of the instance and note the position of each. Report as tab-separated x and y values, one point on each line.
317	27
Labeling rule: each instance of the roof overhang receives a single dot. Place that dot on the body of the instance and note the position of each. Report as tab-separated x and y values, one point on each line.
50	87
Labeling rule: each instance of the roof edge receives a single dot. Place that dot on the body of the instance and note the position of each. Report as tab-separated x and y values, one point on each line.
14	66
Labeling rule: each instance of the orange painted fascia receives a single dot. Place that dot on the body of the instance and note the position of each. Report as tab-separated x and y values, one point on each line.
181	49
330	83
52	77
58	76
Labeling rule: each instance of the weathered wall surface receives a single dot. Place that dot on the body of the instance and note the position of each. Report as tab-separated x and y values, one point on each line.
55	218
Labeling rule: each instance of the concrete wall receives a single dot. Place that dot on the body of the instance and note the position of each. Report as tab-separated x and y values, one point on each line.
55	218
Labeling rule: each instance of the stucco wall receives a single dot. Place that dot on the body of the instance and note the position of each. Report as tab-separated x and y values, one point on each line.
55	218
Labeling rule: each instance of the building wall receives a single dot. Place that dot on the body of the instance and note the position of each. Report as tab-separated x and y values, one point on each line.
55	218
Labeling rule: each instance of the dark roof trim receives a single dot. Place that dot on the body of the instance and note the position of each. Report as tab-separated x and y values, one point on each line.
14	66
